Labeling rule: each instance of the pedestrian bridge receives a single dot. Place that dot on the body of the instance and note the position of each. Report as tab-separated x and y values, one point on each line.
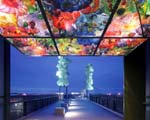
77	110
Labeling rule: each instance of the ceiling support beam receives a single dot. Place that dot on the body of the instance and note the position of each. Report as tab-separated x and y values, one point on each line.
48	25
107	25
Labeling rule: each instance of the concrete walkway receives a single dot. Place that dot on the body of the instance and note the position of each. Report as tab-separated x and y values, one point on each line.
78	110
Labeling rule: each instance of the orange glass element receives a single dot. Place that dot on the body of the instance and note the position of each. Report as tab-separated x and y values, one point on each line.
65	20
118	46
21	18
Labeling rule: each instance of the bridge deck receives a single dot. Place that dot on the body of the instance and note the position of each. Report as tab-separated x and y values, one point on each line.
78	110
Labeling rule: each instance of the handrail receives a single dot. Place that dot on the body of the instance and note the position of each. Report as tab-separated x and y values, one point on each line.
32	99
2	103
29	104
1	97
147	103
147	97
113	102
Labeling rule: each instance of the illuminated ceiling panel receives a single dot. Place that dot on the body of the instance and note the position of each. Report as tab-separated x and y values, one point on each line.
21	18
115	46
78	17
144	10
126	22
75	27
34	46
77	46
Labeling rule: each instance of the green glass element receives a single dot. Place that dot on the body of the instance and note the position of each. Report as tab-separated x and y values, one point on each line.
25	24
40	16
121	11
32	9
131	6
148	8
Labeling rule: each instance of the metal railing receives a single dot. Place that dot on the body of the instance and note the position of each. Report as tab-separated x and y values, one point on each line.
147	102
23	105
113	102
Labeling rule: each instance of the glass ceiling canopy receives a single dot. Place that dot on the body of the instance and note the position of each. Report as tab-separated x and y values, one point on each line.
75	27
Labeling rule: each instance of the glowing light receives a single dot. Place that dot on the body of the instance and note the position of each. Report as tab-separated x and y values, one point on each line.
18	105
75	107
24	94
73	103
7	19
68	26
15	104
60	93
72	114
75	93
38	50
109	94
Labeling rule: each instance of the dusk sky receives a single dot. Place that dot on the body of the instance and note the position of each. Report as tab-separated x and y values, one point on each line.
38	74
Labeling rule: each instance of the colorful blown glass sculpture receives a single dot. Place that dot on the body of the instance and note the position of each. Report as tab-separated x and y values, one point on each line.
75	27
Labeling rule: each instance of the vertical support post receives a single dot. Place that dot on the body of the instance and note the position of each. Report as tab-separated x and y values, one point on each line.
1	78
87	94
59	92
66	92
135	80
24	108
7	80
148	79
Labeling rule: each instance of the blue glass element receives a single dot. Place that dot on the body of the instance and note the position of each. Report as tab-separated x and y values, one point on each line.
67	5
141	1
88	41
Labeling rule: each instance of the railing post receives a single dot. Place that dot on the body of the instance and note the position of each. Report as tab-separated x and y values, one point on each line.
24	108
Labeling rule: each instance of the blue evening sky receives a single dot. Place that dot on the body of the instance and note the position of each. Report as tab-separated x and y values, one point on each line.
38	74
